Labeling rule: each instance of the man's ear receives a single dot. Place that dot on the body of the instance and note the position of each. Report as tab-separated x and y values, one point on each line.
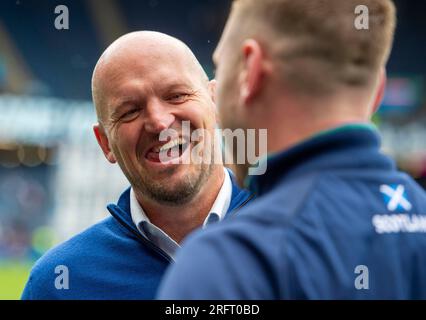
380	90
103	142
252	75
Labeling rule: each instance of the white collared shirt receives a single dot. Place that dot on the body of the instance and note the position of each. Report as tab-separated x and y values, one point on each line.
162	239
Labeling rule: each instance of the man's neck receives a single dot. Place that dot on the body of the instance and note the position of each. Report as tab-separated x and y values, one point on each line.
179	221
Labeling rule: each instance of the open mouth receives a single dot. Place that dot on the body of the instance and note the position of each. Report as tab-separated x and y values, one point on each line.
168	151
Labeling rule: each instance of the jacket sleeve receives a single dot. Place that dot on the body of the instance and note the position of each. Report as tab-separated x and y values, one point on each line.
40	284
26	294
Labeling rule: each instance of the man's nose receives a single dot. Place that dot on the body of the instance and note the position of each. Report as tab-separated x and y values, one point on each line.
158	118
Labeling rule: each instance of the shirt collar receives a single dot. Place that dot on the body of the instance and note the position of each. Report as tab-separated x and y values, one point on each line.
331	149
221	204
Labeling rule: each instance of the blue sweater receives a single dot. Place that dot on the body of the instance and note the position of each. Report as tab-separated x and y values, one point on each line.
333	219
110	260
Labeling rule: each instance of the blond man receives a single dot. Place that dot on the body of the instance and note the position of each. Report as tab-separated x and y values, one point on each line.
333	218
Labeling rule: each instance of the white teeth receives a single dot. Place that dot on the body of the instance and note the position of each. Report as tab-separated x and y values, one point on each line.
170	144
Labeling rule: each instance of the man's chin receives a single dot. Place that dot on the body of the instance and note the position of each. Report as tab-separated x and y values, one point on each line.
172	185
172	193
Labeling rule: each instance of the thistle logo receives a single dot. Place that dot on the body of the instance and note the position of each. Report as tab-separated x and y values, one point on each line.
395	197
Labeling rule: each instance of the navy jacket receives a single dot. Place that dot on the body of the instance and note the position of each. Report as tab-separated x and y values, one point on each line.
333	219
110	260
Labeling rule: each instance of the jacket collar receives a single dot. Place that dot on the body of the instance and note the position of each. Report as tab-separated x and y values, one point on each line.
344	147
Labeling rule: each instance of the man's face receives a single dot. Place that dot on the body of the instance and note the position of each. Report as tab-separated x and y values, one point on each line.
226	59
144	95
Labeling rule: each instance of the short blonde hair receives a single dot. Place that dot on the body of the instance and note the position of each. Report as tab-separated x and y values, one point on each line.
316	43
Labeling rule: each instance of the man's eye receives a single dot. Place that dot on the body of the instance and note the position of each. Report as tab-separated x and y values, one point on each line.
129	114
178	97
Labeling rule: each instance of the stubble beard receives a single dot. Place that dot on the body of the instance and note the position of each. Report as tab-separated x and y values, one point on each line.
179	193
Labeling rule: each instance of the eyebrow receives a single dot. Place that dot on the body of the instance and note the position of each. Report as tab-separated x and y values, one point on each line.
177	84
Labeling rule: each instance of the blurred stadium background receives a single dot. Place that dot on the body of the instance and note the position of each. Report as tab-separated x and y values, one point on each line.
54	181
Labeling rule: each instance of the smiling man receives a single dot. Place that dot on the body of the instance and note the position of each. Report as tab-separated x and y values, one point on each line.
144	85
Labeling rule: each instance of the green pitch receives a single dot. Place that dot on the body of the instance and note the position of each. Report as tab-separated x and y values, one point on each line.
13	276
